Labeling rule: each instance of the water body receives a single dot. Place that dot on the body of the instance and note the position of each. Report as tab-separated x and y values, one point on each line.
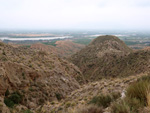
35	38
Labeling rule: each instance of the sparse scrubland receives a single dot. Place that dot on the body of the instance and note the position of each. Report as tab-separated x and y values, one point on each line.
106	76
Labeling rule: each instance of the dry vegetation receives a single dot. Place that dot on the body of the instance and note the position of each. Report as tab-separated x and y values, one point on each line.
37	75
108	56
63	48
115	79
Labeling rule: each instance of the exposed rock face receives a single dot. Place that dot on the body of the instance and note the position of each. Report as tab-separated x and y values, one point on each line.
109	56
38	75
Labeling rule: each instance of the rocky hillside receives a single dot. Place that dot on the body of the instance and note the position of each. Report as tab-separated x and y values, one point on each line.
63	48
36	75
80	98
33	80
109	56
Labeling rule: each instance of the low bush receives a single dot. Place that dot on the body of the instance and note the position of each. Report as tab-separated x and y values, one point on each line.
7	92
139	91
12	99
134	104
58	96
101	100
16	97
144	78
9	102
120	107
105	100
127	105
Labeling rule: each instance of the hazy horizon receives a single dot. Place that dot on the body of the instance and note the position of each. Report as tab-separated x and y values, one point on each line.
75	15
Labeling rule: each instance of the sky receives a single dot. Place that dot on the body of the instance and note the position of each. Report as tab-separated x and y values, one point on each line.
75	14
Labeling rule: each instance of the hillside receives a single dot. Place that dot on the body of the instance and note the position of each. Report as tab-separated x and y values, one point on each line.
38	80
79	99
109	56
37	75
63	48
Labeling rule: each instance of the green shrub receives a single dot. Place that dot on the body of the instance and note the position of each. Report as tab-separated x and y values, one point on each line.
16	97
9	102
58	96
13	98
101	100
7	92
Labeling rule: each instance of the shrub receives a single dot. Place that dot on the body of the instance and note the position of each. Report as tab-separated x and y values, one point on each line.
58	96
101	100
7	92
9	102
127	105
139	91
13	98
16	97
134	104
120	107
90	109
137	96
144	78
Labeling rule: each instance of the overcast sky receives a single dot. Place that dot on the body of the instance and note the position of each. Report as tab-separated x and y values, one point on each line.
75	14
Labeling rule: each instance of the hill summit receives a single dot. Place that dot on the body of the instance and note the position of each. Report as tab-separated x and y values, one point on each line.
109	43
108	56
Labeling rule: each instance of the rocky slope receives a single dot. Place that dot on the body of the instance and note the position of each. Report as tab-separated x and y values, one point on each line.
37	75
109	56
63	48
80	98
46	83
